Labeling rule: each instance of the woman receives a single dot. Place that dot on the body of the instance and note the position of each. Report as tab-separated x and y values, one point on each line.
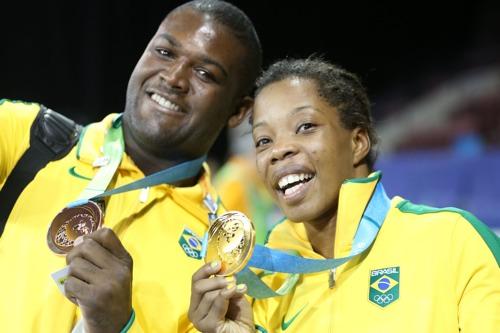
428	270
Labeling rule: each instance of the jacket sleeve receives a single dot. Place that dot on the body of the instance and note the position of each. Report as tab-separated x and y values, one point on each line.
191	329
476	257
133	326
15	123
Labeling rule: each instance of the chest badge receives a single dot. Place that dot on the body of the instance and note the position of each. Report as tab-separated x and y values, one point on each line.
384	286
191	244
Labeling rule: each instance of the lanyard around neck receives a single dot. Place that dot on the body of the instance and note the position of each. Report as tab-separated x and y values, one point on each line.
113	151
277	261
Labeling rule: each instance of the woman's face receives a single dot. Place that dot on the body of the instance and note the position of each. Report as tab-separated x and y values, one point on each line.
303	152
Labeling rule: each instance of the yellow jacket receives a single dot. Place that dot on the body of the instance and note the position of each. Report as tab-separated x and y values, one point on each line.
30	300
429	270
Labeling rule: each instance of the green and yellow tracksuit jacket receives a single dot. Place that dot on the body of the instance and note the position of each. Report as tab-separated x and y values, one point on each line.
149	226
429	270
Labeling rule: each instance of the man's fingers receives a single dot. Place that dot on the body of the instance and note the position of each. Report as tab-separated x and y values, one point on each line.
76	289
103	249
108	239
84	270
92	251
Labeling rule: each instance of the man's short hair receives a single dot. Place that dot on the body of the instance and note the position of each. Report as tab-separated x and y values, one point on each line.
242	28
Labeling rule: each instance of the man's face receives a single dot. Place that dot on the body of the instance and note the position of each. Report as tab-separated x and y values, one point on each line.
303	152
185	86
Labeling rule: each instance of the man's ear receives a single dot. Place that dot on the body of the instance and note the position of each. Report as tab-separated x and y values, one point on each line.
242	110
361	145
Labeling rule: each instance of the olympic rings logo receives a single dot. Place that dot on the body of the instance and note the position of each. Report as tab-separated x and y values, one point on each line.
189	251
383	299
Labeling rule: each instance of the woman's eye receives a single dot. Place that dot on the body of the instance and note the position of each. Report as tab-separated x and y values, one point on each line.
305	127
261	142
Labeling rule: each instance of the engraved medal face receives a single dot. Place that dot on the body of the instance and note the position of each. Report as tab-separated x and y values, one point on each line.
71	223
231	239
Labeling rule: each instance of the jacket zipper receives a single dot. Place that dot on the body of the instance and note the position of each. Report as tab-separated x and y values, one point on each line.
331	278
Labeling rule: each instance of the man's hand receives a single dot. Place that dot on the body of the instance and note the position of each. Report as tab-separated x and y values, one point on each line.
100	281
217	304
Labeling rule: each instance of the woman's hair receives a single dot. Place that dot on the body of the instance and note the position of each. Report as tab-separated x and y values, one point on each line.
337	86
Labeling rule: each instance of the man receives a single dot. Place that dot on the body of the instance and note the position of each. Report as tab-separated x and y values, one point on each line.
194	77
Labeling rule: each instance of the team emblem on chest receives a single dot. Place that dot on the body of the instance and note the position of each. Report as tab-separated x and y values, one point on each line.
191	244
384	286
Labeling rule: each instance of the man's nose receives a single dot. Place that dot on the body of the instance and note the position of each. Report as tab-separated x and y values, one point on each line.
176	75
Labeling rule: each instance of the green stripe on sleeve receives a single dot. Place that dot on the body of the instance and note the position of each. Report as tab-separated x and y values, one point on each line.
489	237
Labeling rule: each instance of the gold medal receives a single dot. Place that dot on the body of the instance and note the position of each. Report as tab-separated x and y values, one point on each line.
71	223
231	239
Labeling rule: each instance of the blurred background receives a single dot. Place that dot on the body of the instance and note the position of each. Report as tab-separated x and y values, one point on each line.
432	71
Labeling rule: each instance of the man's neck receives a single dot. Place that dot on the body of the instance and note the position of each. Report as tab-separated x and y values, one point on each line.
149	163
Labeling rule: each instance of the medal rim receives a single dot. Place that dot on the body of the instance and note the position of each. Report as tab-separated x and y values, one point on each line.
96	207
226	271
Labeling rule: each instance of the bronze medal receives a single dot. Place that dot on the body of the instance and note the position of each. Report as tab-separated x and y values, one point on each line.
231	239
71	223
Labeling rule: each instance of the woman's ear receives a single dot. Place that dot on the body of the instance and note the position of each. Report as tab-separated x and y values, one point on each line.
241	112
361	145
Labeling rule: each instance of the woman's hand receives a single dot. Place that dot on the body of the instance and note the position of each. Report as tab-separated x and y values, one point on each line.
218	305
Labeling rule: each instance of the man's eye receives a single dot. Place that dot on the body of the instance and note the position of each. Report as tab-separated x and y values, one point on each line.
304	127
205	75
164	52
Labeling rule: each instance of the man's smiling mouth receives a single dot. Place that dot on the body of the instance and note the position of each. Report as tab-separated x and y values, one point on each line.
165	103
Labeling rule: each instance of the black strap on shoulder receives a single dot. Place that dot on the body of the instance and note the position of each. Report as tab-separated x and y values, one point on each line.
52	136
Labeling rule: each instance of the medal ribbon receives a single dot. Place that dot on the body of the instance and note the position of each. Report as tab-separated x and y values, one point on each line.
277	261
171	175
113	149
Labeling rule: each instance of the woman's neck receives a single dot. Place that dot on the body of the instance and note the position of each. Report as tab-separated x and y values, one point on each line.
322	231
321	235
